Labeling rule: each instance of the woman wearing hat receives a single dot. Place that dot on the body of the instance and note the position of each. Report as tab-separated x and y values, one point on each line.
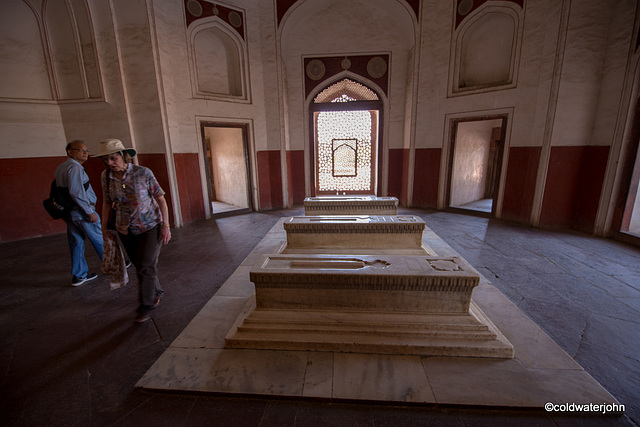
141	217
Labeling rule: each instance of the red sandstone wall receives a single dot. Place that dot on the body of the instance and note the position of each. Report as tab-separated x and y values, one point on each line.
398	172
520	183
295	176
189	186
570	200
426	177
25	183
573	188
269	180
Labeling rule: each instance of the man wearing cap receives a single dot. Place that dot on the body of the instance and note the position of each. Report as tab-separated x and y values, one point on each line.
82	221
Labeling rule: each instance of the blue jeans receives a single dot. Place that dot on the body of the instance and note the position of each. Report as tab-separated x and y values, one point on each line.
77	231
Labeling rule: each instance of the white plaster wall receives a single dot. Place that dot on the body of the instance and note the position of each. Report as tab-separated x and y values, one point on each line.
65	60
334	27
31	130
22	58
94	121
534	90
182	109
618	45
41	129
229	165
530	97
138	69
581	73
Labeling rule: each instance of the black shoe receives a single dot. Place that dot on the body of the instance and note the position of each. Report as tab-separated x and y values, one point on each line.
77	281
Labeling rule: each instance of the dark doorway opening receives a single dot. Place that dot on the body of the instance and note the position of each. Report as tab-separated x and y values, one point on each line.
477	146
228	168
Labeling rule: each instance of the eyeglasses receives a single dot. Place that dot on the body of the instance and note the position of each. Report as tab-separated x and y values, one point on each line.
80	149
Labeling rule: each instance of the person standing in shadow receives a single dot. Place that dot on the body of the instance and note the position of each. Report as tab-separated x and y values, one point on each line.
83	220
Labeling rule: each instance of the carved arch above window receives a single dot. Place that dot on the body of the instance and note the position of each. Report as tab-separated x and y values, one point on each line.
486	50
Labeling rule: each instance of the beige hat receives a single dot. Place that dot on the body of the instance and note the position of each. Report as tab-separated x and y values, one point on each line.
110	146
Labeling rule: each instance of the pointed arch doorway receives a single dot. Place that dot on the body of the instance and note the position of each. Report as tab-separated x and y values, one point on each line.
345	128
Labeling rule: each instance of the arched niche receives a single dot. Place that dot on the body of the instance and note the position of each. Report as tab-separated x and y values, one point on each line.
217	60
71	43
487	47
86	48
48	51
23	65
64	54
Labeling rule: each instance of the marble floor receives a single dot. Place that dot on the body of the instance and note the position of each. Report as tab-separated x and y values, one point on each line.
482	205
218	208
72	356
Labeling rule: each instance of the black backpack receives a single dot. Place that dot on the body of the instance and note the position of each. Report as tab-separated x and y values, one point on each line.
59	202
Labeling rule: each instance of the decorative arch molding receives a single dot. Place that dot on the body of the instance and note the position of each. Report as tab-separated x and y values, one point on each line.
195	10
465	7
373	68
486	49
283	6
348	75
50	43
218	61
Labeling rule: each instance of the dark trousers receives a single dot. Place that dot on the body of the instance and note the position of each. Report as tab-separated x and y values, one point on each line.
143	250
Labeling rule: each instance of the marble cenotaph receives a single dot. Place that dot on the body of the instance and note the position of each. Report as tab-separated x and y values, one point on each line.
360	234
350	205
364	284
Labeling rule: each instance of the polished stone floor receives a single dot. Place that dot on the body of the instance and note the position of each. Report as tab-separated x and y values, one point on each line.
72	356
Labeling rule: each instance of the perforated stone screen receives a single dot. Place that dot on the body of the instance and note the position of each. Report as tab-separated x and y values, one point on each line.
345	165
346	90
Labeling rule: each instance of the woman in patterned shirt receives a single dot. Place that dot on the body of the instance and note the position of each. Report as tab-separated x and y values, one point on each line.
141	217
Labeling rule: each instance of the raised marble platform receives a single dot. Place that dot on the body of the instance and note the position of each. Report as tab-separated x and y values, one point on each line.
350	205
367	304
360	234
540	372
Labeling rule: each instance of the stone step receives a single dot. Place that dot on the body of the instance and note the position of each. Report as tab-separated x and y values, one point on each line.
409	321
362	343
260	330
461	335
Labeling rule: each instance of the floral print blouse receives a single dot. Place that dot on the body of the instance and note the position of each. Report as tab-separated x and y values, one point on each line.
134	198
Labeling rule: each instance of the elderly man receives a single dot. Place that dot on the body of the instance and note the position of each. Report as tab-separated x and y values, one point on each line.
82	221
